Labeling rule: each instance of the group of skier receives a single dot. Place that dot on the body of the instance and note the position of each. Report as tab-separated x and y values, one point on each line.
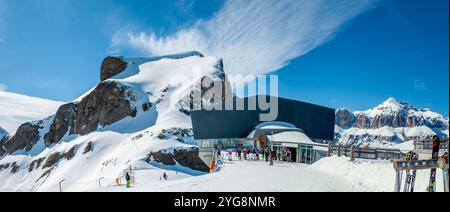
287	155
128	179
249	154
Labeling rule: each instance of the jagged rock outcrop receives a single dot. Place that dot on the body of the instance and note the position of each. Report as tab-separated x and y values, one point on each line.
178	133
52	160
112	66
362	121
185	157
64	120
397	114
25	138
115	99
396	119
2	144
3	139
390	122
205	88
108	103
344	118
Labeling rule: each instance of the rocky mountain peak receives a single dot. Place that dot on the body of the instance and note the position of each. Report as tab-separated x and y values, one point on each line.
387	122
393	113
390	104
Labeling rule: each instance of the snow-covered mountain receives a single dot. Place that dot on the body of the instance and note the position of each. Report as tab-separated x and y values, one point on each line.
16	109
389	123
3	137
137	114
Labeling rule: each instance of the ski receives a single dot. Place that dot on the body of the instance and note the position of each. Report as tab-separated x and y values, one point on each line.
406	188
435	156
415	157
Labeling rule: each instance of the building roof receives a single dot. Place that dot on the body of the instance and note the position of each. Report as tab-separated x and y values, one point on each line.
317	122
295	137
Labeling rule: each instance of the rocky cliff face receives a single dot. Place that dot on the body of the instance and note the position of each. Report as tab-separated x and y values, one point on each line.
113	100
3	138
184	157
205	87
108	103
393	114
390	122
25	138
345	118
63	123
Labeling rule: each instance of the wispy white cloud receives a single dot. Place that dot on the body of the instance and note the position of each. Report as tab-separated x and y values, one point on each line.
420	85
254	36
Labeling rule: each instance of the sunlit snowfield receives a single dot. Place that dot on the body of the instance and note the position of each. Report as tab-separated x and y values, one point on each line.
328	175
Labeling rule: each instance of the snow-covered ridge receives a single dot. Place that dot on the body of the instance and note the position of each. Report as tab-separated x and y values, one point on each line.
151	94
390	123
16	109
391	106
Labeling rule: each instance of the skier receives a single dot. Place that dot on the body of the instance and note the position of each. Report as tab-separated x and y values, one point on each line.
257	154
239	154
230	155
128	180
253	153
212	166
165	176
289	156
245	153
435	156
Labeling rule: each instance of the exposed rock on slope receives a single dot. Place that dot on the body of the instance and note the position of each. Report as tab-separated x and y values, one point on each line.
143	108
107	104
184	157
3	138
64	120
344	118
25	138
396	114
112	66
389	123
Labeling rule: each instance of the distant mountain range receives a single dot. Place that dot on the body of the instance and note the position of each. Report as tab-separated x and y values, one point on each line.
389	123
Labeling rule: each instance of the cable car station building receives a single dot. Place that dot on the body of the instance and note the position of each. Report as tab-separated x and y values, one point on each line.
297	128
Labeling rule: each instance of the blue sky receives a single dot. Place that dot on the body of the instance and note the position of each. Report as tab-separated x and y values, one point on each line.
352	55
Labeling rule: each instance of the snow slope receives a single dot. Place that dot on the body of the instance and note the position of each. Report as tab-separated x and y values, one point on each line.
332	174
161	82
16	109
